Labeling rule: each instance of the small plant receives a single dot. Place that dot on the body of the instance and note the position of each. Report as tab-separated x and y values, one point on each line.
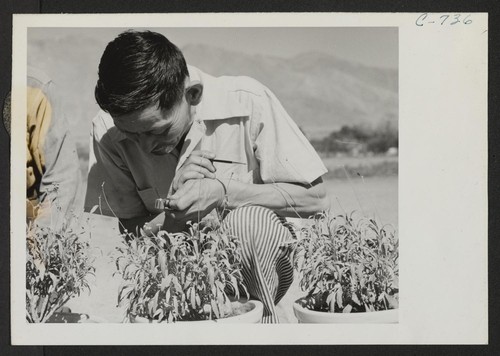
347	265
171	277
58	264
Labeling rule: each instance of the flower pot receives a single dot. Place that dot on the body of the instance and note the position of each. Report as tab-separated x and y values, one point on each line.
316	317
254	316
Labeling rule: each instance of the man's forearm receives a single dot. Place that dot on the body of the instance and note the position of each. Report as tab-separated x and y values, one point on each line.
285	198
291	200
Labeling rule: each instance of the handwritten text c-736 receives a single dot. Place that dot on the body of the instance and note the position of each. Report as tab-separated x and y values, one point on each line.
443	19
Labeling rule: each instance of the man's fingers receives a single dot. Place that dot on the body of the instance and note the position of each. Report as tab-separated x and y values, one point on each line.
173	203
191	175
199	169
179	200
180	203
200	161
203	153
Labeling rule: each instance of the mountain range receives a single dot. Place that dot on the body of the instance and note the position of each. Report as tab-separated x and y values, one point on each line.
320	92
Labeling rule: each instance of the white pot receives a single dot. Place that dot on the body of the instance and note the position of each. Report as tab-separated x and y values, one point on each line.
254	316
315	317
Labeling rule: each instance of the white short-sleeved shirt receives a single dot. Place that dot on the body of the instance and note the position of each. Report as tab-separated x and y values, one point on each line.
238	119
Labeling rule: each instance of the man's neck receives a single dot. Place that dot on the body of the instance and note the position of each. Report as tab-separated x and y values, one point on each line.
181	142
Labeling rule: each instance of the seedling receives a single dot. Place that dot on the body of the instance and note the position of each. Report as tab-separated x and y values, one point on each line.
169	277
58	264
347	264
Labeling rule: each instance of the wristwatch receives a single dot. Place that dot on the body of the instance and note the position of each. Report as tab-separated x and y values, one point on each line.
163	204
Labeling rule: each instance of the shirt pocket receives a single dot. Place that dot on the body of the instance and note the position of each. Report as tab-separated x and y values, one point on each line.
148	197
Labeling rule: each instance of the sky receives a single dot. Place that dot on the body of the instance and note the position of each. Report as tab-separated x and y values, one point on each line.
371	46
367	45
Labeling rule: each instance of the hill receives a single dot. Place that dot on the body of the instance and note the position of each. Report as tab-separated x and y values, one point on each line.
320	92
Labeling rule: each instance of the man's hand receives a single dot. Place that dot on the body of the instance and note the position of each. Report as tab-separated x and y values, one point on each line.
196	166
196	197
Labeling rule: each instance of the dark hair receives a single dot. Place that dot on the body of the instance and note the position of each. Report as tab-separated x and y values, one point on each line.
138	69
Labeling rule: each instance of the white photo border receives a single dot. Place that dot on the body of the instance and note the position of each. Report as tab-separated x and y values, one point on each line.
442	188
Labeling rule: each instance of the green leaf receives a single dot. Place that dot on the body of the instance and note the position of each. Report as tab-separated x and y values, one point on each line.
211	276
165	282
392	301
219	285
158	312
162	261
234	283
339	297
215	308
220	297
355	298
155	300
150	310
192	297
329	300
94	208
177	286
176	305
124	293
347	309
395	282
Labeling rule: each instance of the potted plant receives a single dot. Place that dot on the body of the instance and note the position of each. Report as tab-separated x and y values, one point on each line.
349	268
58	264
171	277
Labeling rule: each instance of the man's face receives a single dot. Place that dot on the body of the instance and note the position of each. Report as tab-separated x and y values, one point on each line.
157	131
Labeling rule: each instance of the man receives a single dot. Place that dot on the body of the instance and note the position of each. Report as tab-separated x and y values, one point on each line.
52	170
171	131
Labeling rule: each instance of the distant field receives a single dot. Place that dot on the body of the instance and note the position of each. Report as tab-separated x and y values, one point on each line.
374	166
373	197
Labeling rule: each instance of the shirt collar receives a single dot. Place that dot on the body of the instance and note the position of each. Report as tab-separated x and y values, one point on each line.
219	100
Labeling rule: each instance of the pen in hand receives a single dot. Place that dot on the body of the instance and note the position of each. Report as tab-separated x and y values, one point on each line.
225	161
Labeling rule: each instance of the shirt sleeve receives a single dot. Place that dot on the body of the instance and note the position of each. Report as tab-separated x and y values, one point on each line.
110	183
283	152
61	179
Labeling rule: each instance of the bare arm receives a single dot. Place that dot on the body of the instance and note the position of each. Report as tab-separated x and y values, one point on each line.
287	199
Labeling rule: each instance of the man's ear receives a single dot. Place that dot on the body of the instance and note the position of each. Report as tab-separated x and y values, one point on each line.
194	92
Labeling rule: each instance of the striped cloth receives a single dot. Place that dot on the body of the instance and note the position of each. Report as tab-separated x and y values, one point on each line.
267	269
